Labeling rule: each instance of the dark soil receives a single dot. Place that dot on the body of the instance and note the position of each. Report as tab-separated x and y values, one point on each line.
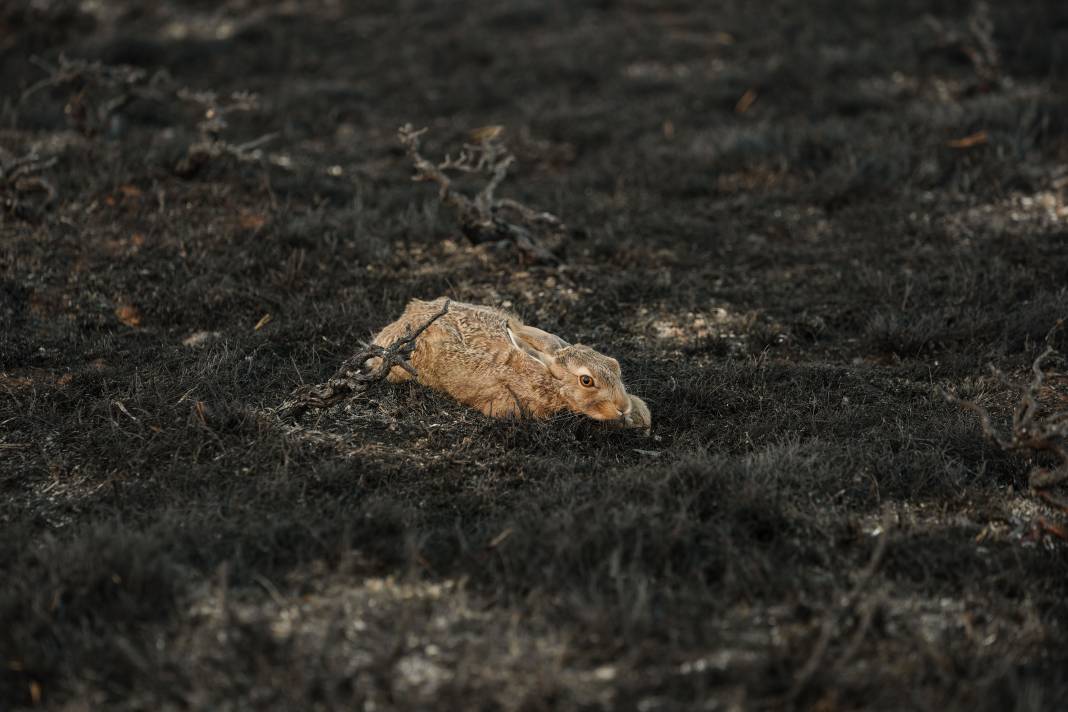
788	279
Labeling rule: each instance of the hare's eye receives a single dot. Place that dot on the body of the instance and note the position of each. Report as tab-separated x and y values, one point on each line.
586	381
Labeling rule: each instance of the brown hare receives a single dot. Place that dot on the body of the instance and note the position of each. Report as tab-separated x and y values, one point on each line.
488	359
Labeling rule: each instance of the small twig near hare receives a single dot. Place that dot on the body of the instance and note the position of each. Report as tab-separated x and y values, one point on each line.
20	178
354	377
1032	429
485	218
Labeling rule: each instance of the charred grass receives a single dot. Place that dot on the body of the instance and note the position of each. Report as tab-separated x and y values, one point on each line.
788	281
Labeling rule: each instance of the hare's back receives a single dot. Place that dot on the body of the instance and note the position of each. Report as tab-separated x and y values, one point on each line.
463	351
469	323
477	323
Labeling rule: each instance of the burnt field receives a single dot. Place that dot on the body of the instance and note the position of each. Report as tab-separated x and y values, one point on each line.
794	224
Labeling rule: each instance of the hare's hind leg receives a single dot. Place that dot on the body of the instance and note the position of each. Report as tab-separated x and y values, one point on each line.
499	404
504	408
639	415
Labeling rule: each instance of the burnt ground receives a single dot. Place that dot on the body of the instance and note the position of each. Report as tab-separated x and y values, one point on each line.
789	279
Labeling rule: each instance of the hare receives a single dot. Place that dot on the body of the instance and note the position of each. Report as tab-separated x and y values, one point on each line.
488	359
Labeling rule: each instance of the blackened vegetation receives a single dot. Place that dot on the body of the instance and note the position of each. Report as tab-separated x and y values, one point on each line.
801	222
210	144
483	218
1034	430
23	187
98	92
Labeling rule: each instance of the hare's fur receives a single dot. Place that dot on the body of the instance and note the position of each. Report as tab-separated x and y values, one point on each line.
488	359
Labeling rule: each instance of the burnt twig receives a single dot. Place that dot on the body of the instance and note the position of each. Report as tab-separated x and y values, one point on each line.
354	375
1030	430
975	40
482	218
19	178
69	71
100	90
833	621
211	127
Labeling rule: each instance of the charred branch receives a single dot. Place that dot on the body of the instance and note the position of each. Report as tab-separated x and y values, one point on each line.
974	40
211	145
1032	429
20	178
355	373
484	218
100	91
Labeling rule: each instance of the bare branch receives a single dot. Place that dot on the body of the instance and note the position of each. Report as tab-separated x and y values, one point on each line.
975	40
424	169
985	421
499	170
1030	430
17	168
19	178
69	71
213	123
529	215
101	90
353	376
833	621
482	218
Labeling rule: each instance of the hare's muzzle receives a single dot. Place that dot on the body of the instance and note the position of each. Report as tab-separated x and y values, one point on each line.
617	410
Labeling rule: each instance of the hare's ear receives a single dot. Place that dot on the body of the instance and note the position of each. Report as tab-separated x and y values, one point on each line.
541	357
556	368
537	339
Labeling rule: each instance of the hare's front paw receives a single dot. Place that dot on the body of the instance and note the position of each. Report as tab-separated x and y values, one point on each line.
639	415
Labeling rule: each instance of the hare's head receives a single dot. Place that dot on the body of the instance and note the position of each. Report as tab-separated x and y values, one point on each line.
589	382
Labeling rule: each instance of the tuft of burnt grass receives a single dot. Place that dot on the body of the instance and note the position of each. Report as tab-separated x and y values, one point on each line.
787	286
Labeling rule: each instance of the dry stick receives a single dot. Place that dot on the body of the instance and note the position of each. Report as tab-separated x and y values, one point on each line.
975	41
19	176
866	618
830	623
351	376
986	59
102	89
128	83
210	144
1055	529
1029	432
1055	502
531	216
20	167
480	218
70	70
